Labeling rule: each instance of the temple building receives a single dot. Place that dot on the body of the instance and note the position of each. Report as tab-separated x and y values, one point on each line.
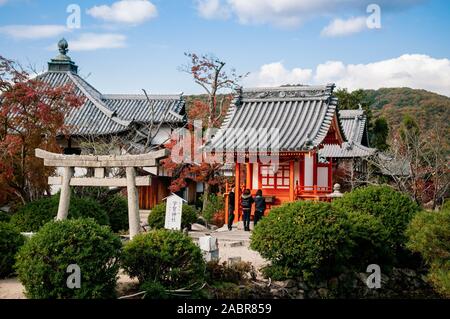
105	118
306	118
350	160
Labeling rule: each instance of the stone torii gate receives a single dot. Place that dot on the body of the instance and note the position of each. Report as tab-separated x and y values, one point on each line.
99	163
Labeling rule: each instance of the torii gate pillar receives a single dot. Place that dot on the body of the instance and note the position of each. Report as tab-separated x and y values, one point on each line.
64	200
133	202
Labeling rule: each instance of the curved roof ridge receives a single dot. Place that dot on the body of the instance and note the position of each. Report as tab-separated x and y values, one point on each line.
142	96
98	104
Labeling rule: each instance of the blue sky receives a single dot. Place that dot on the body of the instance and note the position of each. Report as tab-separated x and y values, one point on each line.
278	41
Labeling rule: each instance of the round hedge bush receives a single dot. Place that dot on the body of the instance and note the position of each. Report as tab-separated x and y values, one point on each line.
42	262
394	209
158	214
116	207
305	238
5	217
314	240
113	203
32	216
10	242
162	256
429	235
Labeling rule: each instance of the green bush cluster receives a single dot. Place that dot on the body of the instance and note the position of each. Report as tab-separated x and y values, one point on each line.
113	203
42	262
10	242
157	216
32	216
429	235
305	237
5	217
167	257
314	239
393	209
214	205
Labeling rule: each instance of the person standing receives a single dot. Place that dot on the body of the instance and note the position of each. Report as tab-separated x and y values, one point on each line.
231	208
260	206
246	203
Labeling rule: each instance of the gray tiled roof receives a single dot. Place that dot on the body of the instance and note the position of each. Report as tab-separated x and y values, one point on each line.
303	115
354	125
111	114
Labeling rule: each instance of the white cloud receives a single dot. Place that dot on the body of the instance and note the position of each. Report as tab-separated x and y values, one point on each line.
2	2
33	31
340	27
95	41
410	70
213	9
292	13
125	11
275	74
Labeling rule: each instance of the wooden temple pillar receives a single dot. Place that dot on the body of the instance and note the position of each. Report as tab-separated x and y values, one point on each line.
248	175
237	193
315	168
291	181
330	174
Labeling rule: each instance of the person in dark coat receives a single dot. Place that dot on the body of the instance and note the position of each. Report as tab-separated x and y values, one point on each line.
260	206
246	203
231	208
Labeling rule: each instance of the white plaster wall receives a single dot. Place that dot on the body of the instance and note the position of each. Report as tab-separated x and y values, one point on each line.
296	172
255	179
309	174
322	176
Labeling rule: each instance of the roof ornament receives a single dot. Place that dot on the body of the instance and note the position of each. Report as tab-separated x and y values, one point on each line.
359	106
62	62
238	96
63	46
308	142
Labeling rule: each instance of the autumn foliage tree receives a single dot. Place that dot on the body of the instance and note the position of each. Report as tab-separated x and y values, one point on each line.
218	83
31	116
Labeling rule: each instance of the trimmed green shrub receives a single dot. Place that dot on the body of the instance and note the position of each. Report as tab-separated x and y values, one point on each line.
158	214
32	216
113	203
429	235
154	290
166	257
10	242
394	209
439	276
446	204
116	207
313	240
215	204
368	241
42	262
305	237
5	217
